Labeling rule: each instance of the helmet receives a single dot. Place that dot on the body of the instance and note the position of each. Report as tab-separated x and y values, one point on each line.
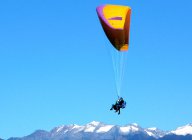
120	98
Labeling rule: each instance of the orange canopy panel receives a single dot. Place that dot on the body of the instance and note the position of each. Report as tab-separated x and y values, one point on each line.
115	20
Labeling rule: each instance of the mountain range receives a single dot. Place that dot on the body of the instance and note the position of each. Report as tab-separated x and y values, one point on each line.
100	131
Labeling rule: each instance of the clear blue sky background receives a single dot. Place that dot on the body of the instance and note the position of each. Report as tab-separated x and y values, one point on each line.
55	68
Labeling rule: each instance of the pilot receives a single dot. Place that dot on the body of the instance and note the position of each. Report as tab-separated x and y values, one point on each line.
120	103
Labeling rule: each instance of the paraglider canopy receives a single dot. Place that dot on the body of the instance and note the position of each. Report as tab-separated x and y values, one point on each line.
115	20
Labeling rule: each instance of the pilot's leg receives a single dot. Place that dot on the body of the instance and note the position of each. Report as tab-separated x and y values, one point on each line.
119	111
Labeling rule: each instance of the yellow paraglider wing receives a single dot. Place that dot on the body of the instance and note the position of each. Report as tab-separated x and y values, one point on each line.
115	20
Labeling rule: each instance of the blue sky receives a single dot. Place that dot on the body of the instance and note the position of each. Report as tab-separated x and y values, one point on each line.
55	68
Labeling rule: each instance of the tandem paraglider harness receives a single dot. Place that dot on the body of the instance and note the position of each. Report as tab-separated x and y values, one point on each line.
120	103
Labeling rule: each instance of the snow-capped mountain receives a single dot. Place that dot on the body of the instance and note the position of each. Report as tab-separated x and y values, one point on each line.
100	131
184	130
155	132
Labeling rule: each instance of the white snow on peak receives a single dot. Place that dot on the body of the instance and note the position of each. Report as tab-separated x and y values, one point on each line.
76	126
152	128
150	133
184	130
60	128
98	127
135	124
134	128
155	132
124	129
89	129
94	123
129	128
104	128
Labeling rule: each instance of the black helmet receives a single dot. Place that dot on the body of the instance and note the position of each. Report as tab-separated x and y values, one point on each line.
120	98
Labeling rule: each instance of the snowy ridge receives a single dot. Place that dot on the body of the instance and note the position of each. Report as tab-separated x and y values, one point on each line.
184	130
155	132
100	131
132	128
